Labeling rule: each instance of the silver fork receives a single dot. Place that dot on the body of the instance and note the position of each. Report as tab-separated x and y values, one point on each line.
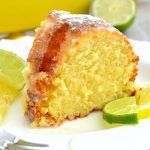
11	142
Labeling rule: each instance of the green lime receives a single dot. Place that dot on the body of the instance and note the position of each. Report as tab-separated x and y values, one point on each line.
119	13
122	111
11	66
135	1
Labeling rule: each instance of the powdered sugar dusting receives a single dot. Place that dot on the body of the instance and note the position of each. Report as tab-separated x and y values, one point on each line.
81	22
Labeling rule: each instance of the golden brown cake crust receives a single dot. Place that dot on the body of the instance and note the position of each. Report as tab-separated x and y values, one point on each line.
58	27
55	36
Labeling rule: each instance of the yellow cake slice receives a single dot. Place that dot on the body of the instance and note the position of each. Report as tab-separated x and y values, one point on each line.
77	64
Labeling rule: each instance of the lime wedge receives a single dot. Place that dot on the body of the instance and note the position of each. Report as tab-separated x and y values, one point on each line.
122	111
11	66
119	13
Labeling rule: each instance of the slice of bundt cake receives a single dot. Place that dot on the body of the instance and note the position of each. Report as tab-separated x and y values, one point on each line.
77	64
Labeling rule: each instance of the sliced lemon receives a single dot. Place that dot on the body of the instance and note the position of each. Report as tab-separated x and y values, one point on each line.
3	110
11	79
143	94
143	100
143	111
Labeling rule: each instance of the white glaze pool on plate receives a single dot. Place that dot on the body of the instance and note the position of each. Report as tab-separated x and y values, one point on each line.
59	137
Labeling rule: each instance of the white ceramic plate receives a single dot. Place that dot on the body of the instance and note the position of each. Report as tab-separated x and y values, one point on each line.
82	133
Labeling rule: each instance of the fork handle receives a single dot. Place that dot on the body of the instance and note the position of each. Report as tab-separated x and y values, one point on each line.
25	143
17	147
